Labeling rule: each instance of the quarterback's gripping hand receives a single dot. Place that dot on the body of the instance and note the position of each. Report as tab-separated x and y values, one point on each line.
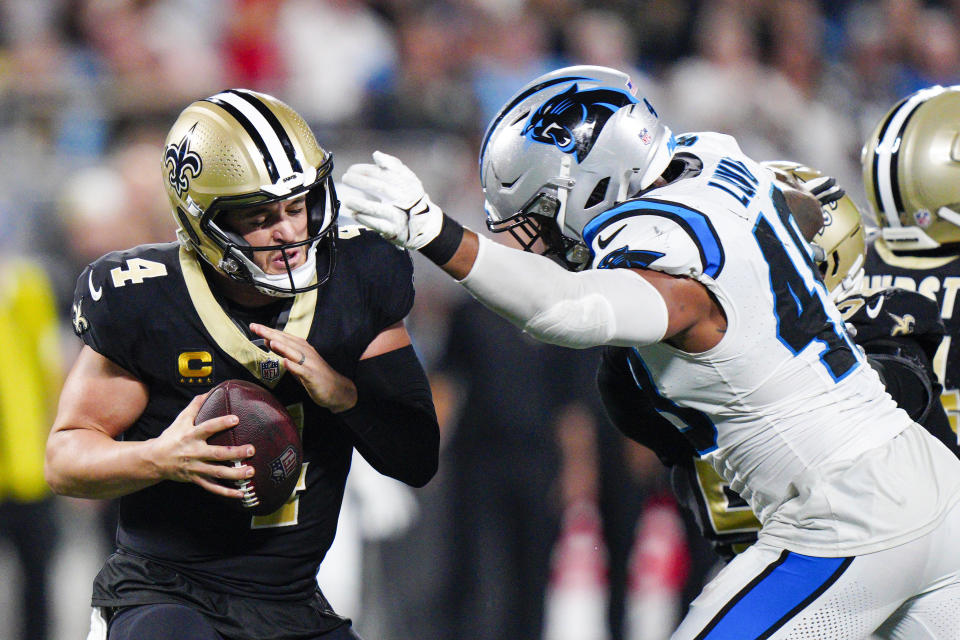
181	452
825	189
390	200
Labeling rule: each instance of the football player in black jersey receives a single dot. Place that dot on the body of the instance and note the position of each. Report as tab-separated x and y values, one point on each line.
911	173
898	329
263	286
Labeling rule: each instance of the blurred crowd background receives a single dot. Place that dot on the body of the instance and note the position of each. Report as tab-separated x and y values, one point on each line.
542	523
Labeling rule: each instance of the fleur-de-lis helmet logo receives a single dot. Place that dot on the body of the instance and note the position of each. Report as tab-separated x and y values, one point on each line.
182	163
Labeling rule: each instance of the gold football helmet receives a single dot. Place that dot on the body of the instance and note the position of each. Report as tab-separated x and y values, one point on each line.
240	149
839	247
911	170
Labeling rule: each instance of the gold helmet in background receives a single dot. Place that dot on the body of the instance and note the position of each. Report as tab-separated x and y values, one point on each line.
240	149
911	170
840	245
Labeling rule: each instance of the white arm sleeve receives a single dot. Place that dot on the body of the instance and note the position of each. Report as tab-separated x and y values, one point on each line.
579	310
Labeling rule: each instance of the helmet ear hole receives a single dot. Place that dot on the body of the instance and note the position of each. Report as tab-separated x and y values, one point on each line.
598	194
186	226
836	263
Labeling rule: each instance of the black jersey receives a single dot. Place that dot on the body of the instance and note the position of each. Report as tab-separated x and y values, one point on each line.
938	278
901	332
151	311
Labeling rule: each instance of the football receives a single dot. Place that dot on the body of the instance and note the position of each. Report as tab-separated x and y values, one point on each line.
267	425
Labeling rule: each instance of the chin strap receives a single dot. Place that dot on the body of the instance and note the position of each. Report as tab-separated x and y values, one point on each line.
298	278
948	214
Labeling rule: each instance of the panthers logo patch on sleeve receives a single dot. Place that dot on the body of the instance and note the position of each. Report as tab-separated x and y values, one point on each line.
662	235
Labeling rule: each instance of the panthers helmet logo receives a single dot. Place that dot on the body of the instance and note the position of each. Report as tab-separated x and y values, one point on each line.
181	160
572	120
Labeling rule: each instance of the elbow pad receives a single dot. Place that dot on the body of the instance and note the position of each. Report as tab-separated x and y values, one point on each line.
585	309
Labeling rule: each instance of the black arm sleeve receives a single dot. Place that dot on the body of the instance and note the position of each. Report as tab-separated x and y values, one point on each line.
394	422
908	375
634	415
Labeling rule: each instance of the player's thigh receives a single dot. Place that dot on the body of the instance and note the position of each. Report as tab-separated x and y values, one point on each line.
161	622
767	592
933	616
935	613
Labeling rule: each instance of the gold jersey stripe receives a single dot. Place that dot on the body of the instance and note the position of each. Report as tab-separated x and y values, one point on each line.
909	262
227	335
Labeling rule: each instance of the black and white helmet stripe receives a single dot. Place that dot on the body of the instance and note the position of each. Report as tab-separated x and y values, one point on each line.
886	181
278	151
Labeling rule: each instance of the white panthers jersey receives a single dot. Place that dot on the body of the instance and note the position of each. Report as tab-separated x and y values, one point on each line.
785	400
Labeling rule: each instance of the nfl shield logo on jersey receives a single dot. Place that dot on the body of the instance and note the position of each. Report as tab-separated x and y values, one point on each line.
269	370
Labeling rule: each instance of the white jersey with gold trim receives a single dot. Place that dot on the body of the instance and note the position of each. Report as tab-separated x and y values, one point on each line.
785	407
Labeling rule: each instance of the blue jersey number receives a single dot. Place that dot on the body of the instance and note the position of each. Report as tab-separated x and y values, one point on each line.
801	316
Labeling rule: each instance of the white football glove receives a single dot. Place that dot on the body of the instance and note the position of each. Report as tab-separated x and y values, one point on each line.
390	199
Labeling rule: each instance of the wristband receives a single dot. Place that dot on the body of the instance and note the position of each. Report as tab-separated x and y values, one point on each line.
441	249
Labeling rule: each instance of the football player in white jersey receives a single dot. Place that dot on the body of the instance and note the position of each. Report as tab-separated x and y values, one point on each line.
898	329
684	250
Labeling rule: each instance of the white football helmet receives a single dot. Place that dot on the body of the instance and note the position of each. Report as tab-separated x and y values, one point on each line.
240	149
565	148
911	171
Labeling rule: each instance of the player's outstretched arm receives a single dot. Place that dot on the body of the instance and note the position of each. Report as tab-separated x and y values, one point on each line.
620	307
99	401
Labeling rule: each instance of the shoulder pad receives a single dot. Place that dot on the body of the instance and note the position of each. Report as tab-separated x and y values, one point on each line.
655	234
709	141
894	313
125	271
116	292
121	282
380	269
347	231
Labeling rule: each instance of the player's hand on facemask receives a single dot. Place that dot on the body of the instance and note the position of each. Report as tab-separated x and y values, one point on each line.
825	189
390	199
